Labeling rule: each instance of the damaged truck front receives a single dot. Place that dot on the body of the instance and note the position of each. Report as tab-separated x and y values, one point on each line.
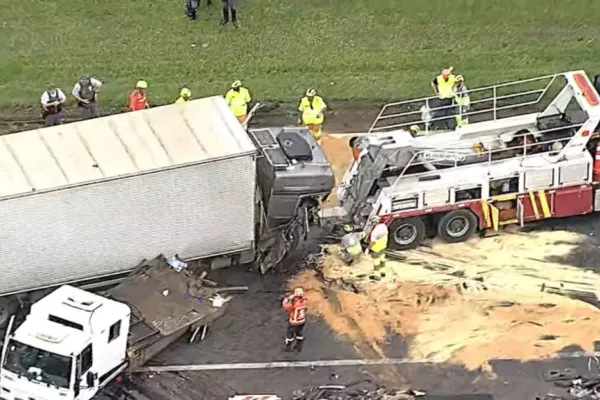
84	203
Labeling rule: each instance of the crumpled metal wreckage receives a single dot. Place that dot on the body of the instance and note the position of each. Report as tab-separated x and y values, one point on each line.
577	386
354	392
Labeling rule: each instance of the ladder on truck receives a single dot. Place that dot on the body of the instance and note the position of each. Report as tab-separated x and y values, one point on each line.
387	201
488	103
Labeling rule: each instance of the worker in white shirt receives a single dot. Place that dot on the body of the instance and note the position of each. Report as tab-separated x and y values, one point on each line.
52	101
86	93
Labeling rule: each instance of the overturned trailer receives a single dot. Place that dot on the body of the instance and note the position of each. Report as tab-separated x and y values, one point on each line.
84	203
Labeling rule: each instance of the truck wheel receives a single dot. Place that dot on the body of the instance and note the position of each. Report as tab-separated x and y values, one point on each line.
8	307
406	234
457	226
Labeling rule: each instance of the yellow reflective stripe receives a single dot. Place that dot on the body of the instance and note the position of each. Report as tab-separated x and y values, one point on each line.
486	213
495	217
544	203
504	197
534	205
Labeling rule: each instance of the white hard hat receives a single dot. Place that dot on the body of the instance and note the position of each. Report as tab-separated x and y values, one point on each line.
299	292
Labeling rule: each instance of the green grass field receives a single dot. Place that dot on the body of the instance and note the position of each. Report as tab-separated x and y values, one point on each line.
346	49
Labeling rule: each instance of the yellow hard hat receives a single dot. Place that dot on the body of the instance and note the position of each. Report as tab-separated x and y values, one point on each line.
311	92
415	128
348	228
236	84
141	85
185	92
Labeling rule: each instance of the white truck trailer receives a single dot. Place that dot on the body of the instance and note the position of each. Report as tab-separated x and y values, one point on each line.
84	203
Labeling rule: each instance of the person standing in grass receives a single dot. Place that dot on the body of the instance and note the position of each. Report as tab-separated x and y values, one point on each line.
52	101
137	98
229	7
191	7
86	93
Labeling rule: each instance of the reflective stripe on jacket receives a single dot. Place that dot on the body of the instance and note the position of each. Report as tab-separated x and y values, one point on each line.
351	243
296	308
379	238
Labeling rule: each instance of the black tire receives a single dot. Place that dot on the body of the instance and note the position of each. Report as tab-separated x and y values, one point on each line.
457	226
406	234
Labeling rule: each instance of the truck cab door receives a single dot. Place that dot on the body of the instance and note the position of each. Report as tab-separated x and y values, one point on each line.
86	381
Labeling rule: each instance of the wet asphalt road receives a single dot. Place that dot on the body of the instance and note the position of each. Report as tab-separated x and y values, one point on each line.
254	327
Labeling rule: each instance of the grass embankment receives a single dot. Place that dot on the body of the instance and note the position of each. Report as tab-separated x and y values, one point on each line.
347	49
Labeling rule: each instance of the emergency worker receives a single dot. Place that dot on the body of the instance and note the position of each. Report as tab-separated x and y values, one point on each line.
443	87
462	102
191	9
184	96
311	109
137	98
378	241
414	130
238	98
229	7
351	247
52	101
296	306
86	93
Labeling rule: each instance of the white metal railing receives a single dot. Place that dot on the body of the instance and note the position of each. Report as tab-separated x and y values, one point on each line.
420	157
412	110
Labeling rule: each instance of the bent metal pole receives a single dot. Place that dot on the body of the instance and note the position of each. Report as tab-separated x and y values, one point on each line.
319	363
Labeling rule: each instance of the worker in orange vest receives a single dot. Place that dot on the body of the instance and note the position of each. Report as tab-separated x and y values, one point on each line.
296	306
137	98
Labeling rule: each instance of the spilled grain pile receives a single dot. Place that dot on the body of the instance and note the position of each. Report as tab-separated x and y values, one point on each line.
467	303
339	156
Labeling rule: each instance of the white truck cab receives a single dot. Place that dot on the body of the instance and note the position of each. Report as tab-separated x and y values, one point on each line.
70	344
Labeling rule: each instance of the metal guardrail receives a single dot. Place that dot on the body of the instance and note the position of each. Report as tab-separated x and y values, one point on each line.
385	119
421	157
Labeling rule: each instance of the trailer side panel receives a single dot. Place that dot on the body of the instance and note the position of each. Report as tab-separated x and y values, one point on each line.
97	229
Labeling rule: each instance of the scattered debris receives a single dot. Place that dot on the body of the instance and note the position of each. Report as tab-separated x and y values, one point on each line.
496	298
355	391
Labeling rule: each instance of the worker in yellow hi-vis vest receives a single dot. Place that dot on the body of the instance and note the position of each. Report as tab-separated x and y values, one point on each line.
462	102
443	87
378	241
238	98
312	108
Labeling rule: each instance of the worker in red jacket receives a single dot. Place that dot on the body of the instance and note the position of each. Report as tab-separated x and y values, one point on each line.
137	98
295	305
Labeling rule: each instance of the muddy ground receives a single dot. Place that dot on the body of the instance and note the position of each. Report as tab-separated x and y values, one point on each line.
254	327
342	118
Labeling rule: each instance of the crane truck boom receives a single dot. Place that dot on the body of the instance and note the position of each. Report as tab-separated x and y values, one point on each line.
74	342
505	169
84	203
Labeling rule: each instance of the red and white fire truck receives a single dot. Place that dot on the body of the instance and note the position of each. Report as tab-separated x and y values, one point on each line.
528	154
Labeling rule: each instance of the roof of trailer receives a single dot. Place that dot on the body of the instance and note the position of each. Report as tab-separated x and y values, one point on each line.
118	145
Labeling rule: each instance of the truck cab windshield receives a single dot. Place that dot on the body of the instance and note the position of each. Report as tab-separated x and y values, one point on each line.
38	365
